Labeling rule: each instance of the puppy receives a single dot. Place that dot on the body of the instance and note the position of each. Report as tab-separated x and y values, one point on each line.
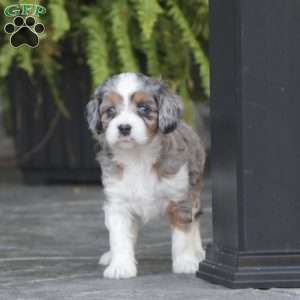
152	164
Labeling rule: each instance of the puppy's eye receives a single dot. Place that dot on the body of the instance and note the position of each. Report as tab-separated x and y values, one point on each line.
143	109
111	111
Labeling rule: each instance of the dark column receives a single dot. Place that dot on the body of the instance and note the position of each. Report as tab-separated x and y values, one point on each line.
255	102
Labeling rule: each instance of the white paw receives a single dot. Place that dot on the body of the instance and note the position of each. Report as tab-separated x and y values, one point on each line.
105	259
186	264
118	270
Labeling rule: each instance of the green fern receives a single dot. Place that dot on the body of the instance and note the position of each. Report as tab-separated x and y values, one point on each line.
60	19
147	12
50	69
193	43
119	15
24	59
162	38
153	65
7	54
96	49
5	3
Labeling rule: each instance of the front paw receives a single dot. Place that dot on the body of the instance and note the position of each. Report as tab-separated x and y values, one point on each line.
186	264
120	269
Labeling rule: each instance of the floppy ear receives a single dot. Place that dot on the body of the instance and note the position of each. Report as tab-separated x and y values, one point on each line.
93	110
93	116
170	108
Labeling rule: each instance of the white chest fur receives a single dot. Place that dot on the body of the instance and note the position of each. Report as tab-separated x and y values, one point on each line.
140	190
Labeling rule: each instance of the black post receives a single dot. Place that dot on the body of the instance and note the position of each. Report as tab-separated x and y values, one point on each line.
255	58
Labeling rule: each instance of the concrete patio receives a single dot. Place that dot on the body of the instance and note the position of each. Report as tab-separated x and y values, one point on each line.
51	238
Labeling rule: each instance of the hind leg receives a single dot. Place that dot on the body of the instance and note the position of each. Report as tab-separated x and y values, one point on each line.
187	249
197	239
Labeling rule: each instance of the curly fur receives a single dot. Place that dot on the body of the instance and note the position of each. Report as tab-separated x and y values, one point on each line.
155	169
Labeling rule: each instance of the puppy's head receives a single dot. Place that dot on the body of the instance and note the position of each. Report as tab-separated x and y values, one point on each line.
130	109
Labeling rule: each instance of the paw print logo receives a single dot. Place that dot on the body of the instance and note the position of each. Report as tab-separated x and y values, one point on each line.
24	31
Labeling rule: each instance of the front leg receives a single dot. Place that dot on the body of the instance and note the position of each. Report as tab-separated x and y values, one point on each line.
187	249
121	237
105	258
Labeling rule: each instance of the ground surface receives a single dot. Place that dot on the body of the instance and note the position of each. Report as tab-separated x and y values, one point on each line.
51	239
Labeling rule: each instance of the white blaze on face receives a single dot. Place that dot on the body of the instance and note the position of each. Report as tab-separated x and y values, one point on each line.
127	85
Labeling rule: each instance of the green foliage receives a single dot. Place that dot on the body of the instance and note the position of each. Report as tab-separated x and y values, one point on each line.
96	48
5	3
150	49
163	38
147	12
24	59
119	17
190	39
50	68
7	55
59	19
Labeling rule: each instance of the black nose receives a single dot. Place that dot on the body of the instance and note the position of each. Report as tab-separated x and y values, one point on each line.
124	129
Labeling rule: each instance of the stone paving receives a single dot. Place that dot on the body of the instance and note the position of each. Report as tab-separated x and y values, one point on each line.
51	238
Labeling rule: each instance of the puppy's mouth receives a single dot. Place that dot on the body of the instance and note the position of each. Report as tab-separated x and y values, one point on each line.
125	139
126	142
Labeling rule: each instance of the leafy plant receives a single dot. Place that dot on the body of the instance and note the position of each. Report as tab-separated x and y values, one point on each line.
162	38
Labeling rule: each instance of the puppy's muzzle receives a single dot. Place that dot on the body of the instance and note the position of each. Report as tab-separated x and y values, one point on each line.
124	129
